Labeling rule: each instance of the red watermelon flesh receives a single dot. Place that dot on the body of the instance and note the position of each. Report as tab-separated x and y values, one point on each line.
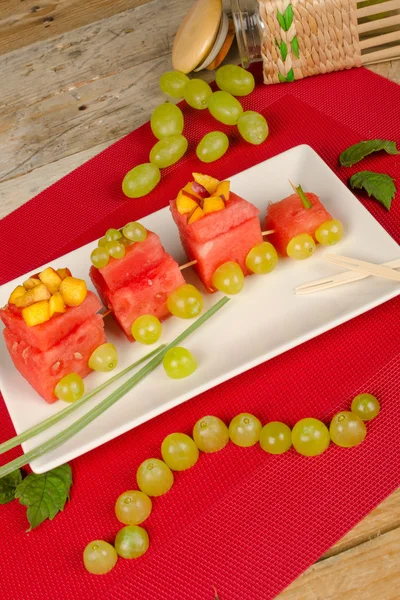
289	218
146	294
47	334
43	370
138	257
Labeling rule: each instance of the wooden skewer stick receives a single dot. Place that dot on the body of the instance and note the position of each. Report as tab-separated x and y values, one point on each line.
104	314
193	262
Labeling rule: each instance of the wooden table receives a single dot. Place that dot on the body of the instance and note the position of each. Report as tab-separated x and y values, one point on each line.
75	77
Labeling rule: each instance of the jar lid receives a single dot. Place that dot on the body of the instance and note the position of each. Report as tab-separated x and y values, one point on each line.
196	35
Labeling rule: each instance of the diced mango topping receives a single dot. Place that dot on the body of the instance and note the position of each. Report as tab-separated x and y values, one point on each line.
184	203
51	280
73	291
36	294
223	190
56	304
210	183
31	283
189	189
213	204
196	215
36	313
17	293
63	273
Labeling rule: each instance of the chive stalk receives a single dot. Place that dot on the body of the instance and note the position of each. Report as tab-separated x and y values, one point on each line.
92	414
300	192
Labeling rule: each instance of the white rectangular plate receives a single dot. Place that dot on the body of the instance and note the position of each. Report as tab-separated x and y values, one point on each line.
264	320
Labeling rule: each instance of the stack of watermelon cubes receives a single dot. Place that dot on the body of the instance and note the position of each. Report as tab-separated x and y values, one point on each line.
63	344
139	283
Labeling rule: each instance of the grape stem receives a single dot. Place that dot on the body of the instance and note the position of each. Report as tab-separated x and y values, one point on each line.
300	192
92	414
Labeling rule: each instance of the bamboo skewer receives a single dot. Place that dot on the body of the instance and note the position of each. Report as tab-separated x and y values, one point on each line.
363	266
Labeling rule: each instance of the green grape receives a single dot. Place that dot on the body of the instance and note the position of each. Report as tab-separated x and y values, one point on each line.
244	430
126	242
179	363
310	437
228	278
104	358
70	388
115	249
275	437
235	80
131	541
141	180
173	83
179	451
168	151
301	247
102	242
225	108
99	257
154	477
135	232
166	120
197	93
133	507
146	329
262	258
212	146
112	235
329	232
253	127
347	429
210	434
185	302
99	557
365	406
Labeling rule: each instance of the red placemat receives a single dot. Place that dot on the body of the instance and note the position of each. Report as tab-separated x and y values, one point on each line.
242	521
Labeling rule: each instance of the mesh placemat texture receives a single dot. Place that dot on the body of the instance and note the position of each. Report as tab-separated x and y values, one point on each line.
242	521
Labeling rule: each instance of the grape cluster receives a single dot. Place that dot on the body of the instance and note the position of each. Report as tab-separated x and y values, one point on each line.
179	451
115	241
167	123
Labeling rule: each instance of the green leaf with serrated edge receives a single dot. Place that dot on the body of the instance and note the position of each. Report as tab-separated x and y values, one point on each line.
282	78
281	20
283	49
44	495
290	75
8	485
288	16
378	185
357	152
295	46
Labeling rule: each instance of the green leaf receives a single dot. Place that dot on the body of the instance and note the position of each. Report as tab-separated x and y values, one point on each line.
281	20
295	46
8	485
357	152
44	495
282	78
378	185
290	75
288	16
283	49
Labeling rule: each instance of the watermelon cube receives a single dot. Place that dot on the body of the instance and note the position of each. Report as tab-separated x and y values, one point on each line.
219	237
145	293
43	369
289	218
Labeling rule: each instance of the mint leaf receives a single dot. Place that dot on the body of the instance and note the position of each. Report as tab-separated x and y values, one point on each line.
378	185
281	20
295	46
44	495
283	49
288	16
8	485
357	152
282	78
290	75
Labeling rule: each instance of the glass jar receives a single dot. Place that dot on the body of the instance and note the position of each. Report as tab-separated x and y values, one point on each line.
249	30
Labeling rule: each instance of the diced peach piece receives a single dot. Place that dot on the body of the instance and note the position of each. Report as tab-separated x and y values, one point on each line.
223	190
56	304
210	183
189	189
36	313
31	283
36	294
63	273
196	215
17	293
184	203
51	280
213	204
73	291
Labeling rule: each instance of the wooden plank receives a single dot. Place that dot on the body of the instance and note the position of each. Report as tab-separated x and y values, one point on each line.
25	23
370	571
